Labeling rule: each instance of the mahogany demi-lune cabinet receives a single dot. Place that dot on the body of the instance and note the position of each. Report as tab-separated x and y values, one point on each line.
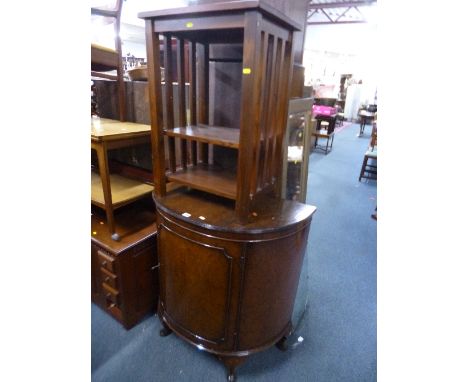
230	248
228	287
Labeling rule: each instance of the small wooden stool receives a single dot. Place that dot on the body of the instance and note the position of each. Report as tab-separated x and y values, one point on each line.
369	171
324	133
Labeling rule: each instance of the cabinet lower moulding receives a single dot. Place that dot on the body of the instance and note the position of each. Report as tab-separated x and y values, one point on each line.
226	287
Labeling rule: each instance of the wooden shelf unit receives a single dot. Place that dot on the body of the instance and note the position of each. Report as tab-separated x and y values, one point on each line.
230	256
267	38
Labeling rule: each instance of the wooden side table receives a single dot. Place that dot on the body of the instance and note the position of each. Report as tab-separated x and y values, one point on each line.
366	117
108	134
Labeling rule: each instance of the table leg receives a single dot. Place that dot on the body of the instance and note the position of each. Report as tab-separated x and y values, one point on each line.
101	152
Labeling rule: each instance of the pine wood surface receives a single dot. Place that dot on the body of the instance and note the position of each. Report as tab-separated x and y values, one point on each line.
104	128
124	190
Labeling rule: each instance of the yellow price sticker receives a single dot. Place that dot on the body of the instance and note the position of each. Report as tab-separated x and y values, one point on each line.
189	24
246	71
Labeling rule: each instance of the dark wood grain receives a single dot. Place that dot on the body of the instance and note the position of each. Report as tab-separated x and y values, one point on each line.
225	237
267	69
193	97
203	93
124	277
225	7
230	289
207	178
156	112
169	107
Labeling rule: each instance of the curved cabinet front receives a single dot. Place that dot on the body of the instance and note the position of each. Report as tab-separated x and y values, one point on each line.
228	289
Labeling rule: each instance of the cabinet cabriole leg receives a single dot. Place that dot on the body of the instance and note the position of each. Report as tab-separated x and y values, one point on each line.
165	331
231	363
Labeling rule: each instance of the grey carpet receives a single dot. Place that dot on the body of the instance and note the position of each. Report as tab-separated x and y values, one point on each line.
340	324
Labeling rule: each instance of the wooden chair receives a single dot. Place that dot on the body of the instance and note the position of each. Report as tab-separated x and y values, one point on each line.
325	130
369	163
105	59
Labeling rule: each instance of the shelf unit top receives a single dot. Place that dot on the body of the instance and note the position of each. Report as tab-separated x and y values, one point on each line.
220	8
212	212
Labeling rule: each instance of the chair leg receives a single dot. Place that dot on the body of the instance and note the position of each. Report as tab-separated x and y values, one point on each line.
121	93
363	167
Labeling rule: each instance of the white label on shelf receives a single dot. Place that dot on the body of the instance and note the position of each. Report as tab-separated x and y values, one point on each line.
186	214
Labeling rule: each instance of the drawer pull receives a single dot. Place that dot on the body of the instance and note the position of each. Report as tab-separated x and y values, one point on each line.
155	266
107	279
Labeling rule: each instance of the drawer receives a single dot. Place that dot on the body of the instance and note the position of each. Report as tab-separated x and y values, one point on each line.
111	295
109	278
106	261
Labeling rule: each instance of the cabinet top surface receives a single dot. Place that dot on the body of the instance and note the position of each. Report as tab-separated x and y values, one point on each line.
134	223
103	127
222	8
209	211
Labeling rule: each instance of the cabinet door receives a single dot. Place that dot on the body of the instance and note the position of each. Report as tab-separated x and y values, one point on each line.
196	286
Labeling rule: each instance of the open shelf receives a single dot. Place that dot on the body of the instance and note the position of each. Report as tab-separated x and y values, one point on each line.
220	136
207	178
124	190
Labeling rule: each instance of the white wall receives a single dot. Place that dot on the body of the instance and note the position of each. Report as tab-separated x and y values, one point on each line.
332	50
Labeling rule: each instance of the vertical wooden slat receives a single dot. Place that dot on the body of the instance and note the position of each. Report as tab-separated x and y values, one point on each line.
181	92
277	107
249	122
287	67
193	95
168	79
259	133
156	107
203	96
268	122
268	169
